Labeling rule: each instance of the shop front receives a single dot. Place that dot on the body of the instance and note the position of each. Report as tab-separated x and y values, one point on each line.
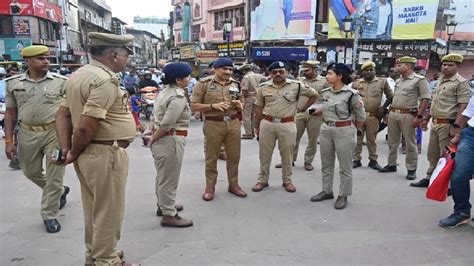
292	56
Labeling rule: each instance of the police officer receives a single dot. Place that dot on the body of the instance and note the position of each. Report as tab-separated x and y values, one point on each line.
217	97
371	89
338	135
406	115
450	98
167	143
96	110
277	104
33	99
248	88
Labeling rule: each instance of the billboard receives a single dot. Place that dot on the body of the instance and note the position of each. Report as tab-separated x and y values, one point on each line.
284	19
385	19
13	47
38	8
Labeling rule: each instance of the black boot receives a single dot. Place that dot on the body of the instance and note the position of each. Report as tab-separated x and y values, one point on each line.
356	164
411	174
388	169
422	183
374	165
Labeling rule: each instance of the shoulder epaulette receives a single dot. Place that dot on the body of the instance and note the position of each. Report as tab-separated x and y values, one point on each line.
206	79
12	77
420	76
325	90
58	76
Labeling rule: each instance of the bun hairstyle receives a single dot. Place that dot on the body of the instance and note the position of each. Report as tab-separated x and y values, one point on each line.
174	71
342	70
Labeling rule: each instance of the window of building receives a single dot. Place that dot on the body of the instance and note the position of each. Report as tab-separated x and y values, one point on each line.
236	15
6	26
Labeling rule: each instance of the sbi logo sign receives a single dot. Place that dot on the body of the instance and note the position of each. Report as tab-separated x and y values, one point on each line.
263	53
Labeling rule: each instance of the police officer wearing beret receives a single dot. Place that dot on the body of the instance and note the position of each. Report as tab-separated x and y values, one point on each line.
32	99
172	114
217	97
340	104
371	90
96	110
410	100
276	107
450	98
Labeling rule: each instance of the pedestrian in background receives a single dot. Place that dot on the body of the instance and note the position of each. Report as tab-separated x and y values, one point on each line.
33	98
410	100
95	109
172	116
340	105
275	110
215	96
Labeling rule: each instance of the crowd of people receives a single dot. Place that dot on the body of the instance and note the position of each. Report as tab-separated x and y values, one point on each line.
86	120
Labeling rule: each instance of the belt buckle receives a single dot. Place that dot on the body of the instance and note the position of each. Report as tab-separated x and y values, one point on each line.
331	124
226	118
37	128
276	120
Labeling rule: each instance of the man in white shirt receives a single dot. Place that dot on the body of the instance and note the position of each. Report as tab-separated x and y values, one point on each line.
463	169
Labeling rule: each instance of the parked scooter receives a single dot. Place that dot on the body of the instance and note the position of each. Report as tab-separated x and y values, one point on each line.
148	95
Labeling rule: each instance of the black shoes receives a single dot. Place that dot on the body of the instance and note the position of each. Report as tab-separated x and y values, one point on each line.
388	169
356	164
52	226
179	207
422	183
454	220
341	203
374	165
278	165
411	174
63	200
322	196
14	164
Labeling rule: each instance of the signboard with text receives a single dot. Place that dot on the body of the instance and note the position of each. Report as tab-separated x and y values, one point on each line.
280	53
418	49
237	49
21	26
38	8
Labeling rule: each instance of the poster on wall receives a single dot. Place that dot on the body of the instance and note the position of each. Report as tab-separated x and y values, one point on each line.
21	26
13	47
282	19
39	8
385	19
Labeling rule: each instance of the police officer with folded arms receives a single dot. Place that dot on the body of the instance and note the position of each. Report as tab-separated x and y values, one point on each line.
172	115
340	105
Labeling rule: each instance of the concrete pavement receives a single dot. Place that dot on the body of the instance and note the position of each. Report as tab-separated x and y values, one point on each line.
386	222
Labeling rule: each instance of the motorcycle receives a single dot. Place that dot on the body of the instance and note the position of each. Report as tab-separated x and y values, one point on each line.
148	95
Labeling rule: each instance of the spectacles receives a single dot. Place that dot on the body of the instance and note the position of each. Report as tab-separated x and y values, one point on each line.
276	71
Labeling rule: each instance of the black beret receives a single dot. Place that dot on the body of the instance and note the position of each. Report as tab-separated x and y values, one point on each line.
275	65
341	67
174	71
223	62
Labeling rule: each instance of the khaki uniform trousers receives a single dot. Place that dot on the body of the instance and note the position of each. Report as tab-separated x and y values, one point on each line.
270	132
338	141
168	154
228	133
398	125
439	139
312	124
32	149
248	115
102	171
370	131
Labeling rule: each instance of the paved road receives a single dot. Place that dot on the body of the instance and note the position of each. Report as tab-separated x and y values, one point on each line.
386	222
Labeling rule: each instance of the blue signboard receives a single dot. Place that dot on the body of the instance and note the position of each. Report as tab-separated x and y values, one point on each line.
280	53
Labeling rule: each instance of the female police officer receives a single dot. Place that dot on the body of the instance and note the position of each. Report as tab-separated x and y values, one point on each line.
338	135
167	143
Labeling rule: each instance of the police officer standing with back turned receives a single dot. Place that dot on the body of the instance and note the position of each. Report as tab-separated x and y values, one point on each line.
406	115
217	98
33	98
371	89
450	98
340	105
276	107
96	110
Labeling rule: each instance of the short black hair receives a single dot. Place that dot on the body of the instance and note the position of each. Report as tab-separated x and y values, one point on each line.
100	50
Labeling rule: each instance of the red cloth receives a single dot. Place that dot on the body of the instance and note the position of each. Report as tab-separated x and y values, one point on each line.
439	182
135	117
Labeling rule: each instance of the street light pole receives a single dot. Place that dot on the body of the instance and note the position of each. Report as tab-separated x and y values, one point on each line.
227	29
450	29
347	28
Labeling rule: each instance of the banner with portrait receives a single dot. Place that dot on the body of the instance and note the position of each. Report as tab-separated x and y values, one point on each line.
385	19
282	19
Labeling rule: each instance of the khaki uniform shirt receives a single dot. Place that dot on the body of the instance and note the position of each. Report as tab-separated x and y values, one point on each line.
449	93
172	109
37	102
282	101
408	91
336	105
372	92
318	83
208	90
250	82
94	91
